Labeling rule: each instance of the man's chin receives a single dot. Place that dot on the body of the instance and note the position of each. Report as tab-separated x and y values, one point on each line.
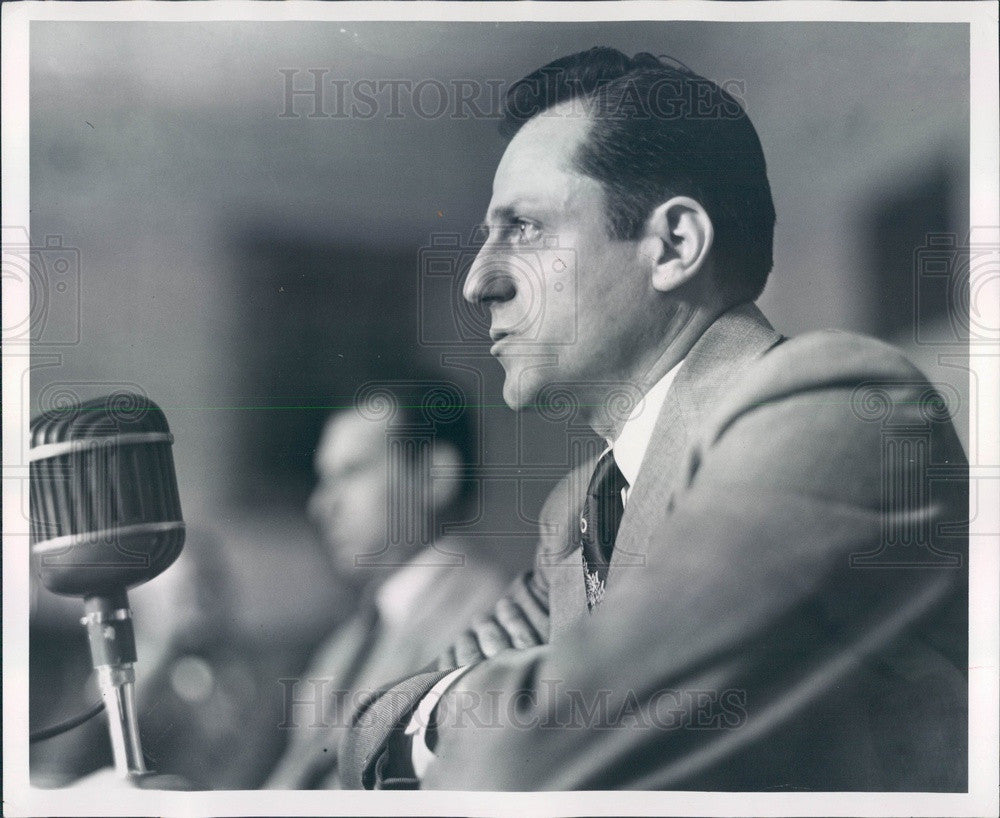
341	562
516	395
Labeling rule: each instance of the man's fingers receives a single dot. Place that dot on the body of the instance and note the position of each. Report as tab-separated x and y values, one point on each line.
513	620
492	637
467	650
509	627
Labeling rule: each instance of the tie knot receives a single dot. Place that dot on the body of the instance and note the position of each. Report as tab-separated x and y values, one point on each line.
607	478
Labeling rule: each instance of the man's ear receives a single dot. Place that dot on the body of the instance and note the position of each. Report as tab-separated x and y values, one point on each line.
677	238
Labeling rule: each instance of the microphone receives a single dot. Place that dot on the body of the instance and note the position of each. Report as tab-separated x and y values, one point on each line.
105	517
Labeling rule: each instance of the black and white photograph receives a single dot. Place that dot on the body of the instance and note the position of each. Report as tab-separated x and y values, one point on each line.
499	408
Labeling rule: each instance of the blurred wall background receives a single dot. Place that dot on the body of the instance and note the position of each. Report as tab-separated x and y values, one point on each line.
249	270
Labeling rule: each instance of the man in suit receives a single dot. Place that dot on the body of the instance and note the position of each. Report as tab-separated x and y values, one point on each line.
377	508
761	582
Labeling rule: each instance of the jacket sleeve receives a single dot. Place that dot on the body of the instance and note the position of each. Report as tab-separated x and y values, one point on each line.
527	597
531	589
817	537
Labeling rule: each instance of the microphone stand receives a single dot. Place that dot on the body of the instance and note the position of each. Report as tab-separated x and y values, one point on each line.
108	620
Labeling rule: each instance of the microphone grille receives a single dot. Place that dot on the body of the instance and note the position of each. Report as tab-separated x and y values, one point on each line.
114	414
105	509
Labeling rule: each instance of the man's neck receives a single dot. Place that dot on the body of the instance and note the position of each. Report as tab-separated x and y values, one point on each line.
682	333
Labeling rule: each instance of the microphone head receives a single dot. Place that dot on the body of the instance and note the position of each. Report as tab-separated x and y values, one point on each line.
105	511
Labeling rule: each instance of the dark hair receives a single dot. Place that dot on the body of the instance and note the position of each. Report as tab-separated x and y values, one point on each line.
425	405
660	130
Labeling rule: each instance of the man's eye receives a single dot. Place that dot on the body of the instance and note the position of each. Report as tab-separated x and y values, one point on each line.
527	232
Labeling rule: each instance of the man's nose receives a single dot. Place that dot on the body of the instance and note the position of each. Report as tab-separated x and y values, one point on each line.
489	279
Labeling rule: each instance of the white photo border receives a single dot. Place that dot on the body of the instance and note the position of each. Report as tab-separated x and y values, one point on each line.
984	557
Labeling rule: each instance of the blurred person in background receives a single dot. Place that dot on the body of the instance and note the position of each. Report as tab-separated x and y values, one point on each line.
378	509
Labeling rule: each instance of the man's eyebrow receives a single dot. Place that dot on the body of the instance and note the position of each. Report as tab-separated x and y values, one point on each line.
507	212
504	213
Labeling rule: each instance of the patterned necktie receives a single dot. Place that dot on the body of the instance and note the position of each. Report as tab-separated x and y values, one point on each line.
599	520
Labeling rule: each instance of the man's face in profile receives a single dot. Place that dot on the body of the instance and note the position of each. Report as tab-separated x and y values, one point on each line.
348	504
563	296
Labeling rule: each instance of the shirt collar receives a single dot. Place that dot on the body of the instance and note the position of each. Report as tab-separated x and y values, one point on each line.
399	595
633	440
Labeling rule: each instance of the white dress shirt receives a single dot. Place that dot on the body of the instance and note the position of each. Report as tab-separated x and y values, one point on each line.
629	450
633	439
402	591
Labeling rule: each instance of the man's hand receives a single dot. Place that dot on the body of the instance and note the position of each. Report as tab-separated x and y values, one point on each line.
508	627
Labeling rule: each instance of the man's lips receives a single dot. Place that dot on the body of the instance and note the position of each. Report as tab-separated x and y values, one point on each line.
497	336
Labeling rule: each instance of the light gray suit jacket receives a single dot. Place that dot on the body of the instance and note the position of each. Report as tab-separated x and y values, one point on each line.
786	603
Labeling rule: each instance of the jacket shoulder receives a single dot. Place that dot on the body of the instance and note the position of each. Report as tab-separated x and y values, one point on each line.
858	366
829	382
832	356
812	415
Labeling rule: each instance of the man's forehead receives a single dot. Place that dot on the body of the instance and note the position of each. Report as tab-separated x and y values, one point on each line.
348	435
539	159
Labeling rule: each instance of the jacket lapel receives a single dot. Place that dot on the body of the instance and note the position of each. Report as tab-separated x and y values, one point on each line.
715	362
